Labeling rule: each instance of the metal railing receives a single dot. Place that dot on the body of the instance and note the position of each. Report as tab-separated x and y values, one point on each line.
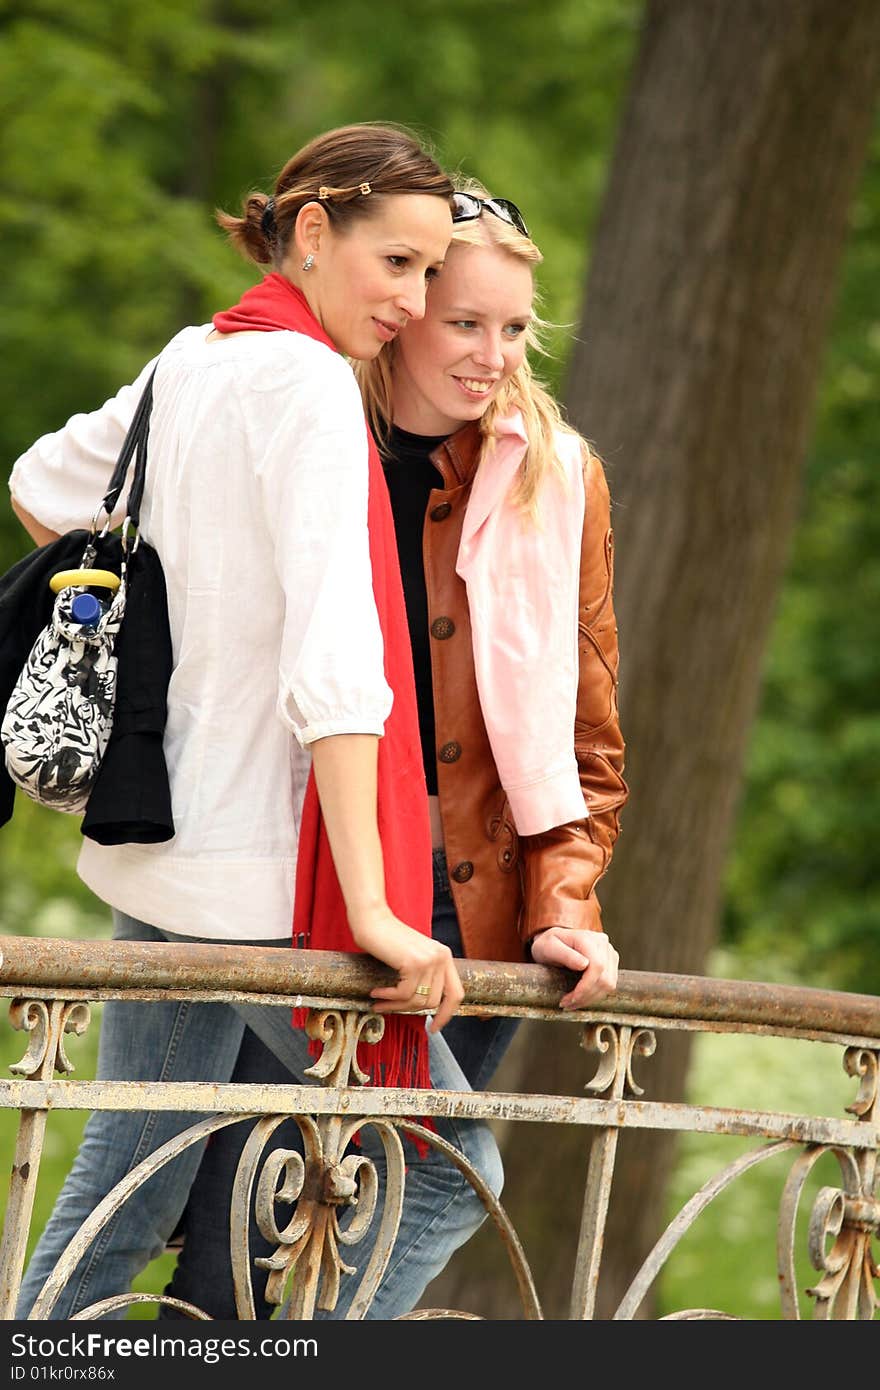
51	984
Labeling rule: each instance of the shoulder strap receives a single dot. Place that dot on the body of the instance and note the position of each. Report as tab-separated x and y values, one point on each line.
134	446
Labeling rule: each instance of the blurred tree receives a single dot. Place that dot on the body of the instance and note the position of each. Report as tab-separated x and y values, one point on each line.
803	883
710	290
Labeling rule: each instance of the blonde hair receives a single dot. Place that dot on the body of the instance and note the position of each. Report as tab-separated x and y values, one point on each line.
523	391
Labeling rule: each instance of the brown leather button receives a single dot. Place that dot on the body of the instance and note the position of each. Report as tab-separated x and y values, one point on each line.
463	871
441	628
441	511
450	752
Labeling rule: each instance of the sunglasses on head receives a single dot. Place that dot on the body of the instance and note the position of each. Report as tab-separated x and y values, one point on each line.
466	207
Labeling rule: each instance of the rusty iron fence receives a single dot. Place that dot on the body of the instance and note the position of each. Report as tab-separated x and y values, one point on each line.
51	984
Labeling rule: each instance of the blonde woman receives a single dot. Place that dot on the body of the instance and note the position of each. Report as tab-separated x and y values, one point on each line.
502	520
504	536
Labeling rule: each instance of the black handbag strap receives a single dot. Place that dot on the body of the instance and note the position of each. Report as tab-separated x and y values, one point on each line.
134	446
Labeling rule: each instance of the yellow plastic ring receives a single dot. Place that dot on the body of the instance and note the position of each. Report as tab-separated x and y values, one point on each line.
66	579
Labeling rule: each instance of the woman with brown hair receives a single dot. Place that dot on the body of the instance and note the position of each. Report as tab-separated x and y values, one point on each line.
502	518
291	723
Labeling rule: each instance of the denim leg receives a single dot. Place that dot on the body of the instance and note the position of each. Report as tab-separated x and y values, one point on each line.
156	1041
203	1273
139	1042
441	1211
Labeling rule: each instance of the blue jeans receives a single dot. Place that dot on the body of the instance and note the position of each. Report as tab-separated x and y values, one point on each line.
190	1041
203	1274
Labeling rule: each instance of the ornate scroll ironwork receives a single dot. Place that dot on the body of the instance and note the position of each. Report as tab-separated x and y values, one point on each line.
321	1183
47	1020
326	1180
618	1044
330	1206
859	1061
848	1217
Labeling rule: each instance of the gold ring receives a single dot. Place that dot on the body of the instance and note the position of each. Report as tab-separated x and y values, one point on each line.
423	989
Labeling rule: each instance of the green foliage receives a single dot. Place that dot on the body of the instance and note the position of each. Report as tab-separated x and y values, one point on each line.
129	124
108	258
727	1259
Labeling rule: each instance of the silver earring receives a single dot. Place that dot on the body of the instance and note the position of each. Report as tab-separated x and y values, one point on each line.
308	262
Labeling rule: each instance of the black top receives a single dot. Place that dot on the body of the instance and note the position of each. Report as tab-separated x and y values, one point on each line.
411	476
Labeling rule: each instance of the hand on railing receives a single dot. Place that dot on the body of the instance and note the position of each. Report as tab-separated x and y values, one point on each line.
428	977
590	952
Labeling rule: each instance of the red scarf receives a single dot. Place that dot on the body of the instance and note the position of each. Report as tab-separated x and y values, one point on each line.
319	917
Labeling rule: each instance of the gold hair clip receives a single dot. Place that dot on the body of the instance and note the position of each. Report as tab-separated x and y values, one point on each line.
325	192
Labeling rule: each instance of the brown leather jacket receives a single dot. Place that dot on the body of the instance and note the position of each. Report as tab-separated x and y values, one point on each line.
508	887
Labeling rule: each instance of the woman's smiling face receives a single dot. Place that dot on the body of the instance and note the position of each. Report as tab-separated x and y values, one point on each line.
450	365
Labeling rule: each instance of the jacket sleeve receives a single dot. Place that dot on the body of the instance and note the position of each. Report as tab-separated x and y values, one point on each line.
562	866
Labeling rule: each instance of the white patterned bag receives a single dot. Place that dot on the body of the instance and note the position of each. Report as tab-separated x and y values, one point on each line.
60	715
59	718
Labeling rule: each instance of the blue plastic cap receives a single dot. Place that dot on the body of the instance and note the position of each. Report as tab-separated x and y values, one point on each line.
85	609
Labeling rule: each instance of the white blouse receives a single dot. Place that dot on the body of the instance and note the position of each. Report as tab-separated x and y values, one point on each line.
256	501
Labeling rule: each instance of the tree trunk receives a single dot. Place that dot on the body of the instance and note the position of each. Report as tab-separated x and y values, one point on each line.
695	373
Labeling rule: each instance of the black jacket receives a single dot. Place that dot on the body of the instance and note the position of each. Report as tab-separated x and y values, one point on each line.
131	798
